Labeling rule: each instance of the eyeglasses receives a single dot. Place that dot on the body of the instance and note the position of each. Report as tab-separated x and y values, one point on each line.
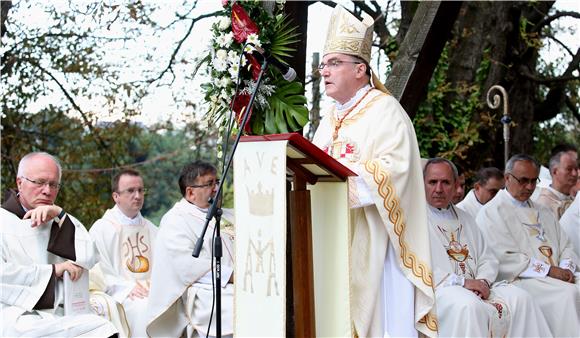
333	63
525	181
132	191
207	185
41	183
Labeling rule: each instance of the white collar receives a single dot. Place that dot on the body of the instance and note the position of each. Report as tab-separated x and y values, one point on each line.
561	196
124	219
340	108
190	207
518	203
447	213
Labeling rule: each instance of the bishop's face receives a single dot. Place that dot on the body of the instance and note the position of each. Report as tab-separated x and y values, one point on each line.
343	76
521	181
440	185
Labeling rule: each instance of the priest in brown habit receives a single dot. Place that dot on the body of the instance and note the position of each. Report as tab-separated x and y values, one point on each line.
39	241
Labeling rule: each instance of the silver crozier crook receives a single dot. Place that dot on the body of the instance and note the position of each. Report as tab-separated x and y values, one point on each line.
506	119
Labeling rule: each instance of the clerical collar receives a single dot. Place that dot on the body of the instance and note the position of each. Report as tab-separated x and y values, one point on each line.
124	219
561	196
476	199
204	210
524	204
445	213
340	108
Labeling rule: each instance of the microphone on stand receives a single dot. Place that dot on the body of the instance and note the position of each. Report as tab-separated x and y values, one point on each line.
288	73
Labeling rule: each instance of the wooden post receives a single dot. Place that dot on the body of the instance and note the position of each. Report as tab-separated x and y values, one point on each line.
302	267
420	52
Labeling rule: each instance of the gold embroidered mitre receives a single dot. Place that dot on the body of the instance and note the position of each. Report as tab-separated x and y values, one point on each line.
348	35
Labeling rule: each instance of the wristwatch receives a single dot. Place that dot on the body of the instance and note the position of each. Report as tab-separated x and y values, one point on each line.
60	216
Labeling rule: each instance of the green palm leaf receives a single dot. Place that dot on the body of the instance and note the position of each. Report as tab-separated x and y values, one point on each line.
285	35
287	109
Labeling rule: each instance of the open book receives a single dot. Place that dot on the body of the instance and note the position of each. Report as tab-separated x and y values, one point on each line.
76	295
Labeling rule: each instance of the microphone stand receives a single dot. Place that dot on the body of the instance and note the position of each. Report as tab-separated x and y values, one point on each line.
215	210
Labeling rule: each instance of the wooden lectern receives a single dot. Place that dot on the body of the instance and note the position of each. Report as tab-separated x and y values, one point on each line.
292	239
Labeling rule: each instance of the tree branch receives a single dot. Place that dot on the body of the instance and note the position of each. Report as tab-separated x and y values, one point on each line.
547	20
567	76
6	5
547	80
561	44
169	67
88	123
572	108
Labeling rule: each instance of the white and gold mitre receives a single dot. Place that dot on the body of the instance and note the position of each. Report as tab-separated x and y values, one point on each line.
348	35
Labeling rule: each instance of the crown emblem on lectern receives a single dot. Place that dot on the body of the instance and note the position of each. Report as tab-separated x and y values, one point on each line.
261	201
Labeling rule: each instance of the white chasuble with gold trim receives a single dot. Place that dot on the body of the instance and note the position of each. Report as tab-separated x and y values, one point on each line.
527	239
126	250
377	141
459	252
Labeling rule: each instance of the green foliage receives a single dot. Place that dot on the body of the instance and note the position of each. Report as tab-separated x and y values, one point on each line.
285	36
444	122
288	111
564	129
278	107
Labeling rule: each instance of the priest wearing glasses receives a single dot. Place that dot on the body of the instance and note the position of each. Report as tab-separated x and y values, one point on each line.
534	252
470	303
39	242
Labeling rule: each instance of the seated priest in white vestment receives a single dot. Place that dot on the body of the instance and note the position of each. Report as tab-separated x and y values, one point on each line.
368	131
564	173
469	303
39	242
180	299
488	181
570	222
534	252
125	240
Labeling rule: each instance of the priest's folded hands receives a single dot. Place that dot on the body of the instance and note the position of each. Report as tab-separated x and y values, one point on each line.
561	274
479	287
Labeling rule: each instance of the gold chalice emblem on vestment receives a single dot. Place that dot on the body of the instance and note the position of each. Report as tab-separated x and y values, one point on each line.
457	252
547	252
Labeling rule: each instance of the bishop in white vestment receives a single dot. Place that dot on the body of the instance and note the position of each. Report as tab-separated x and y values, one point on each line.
181	285
534	252
368	131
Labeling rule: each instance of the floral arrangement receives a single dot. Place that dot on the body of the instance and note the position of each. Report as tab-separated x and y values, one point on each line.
279	106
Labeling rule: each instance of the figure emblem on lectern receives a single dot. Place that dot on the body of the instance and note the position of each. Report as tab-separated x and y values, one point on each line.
258	250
